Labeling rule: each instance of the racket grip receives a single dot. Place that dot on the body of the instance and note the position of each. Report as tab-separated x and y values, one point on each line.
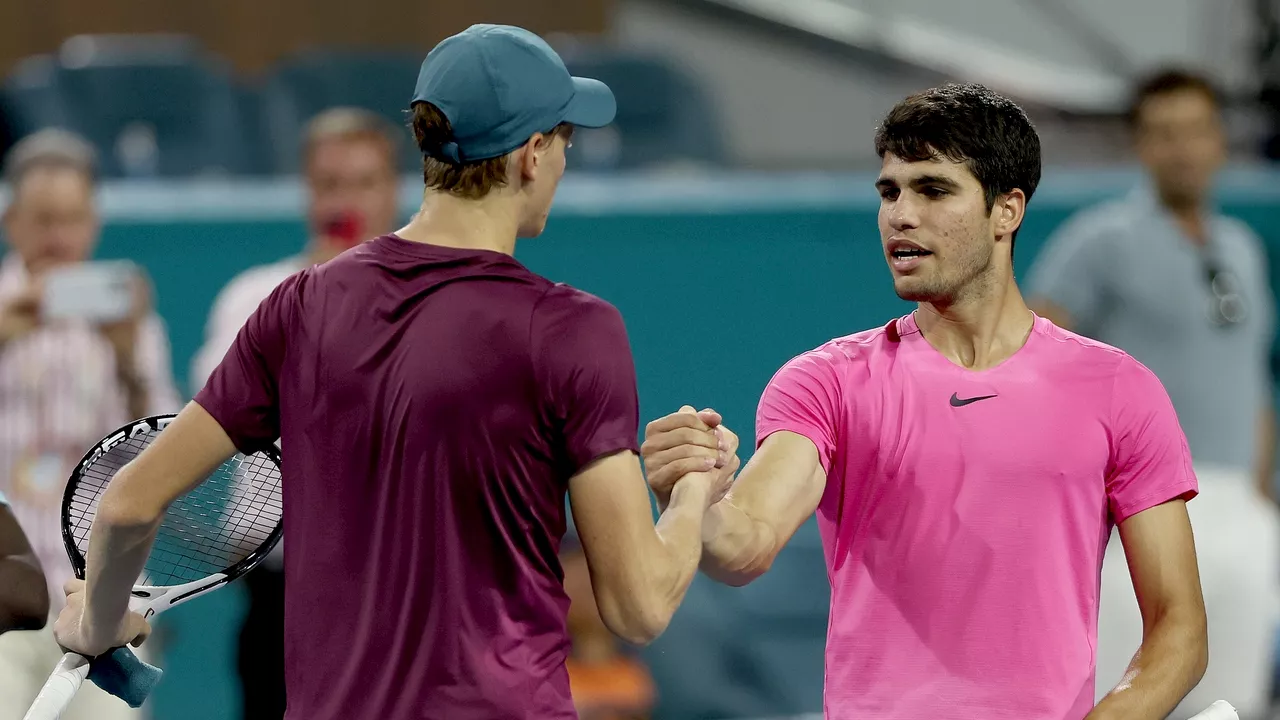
60	688
1219	710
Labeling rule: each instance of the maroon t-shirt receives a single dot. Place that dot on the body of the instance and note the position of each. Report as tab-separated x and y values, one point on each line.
431	405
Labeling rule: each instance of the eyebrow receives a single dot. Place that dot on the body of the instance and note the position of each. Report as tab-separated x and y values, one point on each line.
920	181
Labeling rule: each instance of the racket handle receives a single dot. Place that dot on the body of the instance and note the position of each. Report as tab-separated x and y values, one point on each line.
1219	710
60	688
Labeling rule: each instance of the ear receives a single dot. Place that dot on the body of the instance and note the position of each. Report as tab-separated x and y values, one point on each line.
1007	213
531	155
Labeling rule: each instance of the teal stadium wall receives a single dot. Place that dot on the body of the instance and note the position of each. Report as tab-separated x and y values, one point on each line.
721	280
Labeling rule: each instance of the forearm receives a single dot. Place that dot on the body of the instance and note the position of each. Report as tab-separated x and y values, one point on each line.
736	549
679	531
24	597
119	544
1169	663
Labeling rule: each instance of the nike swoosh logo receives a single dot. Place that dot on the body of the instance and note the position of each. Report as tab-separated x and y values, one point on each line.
956	400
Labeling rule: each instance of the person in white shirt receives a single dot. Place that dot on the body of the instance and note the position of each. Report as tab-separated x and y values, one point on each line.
349	162
64	384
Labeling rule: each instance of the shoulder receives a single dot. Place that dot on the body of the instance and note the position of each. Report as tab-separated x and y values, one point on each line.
837	359
1239	236
1103	222
565	302
249	288
1076	347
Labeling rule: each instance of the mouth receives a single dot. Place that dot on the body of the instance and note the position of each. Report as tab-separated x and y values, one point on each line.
905	255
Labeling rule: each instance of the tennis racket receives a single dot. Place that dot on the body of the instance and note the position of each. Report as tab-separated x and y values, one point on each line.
208	537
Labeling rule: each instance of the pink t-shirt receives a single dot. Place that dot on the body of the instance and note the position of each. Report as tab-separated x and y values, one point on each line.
966	513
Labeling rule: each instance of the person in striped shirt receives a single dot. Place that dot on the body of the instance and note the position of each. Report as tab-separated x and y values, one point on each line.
63	384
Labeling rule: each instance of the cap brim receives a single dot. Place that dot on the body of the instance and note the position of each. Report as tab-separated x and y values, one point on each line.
593	104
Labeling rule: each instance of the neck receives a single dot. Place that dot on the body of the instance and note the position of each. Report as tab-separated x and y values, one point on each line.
1188	213
980	331
488	224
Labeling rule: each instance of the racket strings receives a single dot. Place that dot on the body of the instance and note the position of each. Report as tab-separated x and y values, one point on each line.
212	528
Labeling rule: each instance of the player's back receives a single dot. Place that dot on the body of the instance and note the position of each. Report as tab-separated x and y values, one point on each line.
426	464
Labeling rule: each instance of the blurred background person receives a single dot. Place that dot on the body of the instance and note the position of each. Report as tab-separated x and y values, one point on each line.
63	383
1162	274
608	681
350	172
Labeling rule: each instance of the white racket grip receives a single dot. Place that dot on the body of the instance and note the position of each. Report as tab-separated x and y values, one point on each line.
1219	710
60	688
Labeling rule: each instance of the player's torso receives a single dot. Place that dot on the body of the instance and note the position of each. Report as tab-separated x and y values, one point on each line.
411	404
964	520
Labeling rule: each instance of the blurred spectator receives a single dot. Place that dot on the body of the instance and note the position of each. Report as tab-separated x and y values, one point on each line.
607	683
349	161
63	384
1161	274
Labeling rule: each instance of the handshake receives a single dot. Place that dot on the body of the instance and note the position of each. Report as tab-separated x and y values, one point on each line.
690	448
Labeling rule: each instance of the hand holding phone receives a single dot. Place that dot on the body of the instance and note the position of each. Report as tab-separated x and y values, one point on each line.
99	292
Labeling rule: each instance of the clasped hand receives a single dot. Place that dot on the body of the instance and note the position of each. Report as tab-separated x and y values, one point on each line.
690	446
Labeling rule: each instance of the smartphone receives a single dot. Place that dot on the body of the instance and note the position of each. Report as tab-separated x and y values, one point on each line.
98	292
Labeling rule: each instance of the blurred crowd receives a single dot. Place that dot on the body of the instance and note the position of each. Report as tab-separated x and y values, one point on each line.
1160	273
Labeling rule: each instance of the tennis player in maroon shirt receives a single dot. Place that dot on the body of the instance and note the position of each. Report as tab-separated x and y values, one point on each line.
434	401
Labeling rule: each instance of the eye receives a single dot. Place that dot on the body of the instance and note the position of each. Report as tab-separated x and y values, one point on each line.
889	193
934	192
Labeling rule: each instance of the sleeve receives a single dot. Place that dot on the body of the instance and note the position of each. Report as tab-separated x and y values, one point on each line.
802	398
1070	271
583	363
156	364
1151	461
242	391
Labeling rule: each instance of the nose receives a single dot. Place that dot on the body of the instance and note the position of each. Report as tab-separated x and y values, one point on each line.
902	213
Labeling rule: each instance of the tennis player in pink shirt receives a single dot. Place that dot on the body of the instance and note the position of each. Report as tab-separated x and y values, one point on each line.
966	463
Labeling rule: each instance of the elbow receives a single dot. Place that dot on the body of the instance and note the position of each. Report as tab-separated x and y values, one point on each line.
738	574
638	623
124	508
1200	650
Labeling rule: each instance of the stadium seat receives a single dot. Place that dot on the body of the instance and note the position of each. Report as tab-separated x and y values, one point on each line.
154	105
303	86
30	96
664	117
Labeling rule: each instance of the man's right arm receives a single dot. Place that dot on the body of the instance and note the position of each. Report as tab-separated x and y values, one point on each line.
772	497
786	478
639	572
583	365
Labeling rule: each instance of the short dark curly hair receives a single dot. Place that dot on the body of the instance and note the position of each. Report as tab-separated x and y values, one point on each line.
967	123
1167	81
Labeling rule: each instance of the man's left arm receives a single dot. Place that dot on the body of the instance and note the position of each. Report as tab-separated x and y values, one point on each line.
237	410
1161	554
125	527
1147	492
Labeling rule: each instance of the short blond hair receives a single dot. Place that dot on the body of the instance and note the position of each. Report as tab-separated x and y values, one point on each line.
351	124
50	148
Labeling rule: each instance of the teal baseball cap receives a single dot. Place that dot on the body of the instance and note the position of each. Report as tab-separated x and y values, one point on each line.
499	84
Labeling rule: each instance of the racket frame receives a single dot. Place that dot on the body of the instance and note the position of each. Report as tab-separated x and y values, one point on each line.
153	596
